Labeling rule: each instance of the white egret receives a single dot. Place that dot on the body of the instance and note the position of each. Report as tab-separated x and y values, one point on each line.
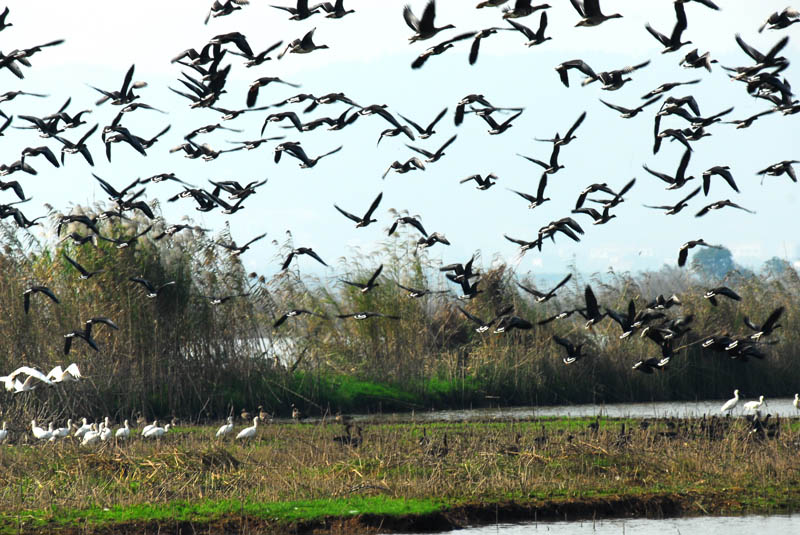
754	406
123	433
82	430
10	381
149	427
92	436
731	403
105	431
225	429
156	432
62	432
796	403
39	433
72	373
249	432
3	433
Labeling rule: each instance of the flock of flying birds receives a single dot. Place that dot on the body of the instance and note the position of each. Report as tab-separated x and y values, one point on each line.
203	85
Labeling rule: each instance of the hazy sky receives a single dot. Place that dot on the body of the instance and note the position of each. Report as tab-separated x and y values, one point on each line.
369	60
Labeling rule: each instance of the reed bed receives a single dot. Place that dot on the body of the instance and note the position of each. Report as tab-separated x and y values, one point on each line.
487	462
179	355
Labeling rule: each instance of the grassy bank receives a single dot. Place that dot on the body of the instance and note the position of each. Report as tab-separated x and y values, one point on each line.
296	476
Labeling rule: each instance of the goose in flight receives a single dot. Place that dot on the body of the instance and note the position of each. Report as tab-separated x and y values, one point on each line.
80	146
37	289
720	290
409	165
414	293
570	135
428	131
484	326
721	204
539	198
563	70
680	177
366	219
522	8
301	11
651	364
432	239
431	157
677	207
483	183
366	315
534	38
423	28
592	188
125	94
628	113
252	92
337	10
508	323
258	59
544	297
88	324
663	88
695	60
574	352
306	162
302	251
613	80
553	166
305	45
778	20
590	11
152	291
780	168
496	128
295	312
683	252
721	170
85	273
673	42
407	220
766	328
593	315
219	9
78	334
369	285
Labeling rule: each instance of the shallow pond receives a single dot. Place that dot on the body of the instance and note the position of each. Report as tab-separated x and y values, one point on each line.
680	409
706	525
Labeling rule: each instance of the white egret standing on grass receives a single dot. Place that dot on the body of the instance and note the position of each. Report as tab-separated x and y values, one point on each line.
3	433
62	432
796	403
91	436
731	403
156	432
123	433
249	432
82	430
40	433
225	429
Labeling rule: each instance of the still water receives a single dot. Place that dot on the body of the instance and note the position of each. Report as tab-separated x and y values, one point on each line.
706	525
680	409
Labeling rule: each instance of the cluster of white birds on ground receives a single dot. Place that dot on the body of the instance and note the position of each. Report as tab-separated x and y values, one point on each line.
94	433
246	433
56	375
752	406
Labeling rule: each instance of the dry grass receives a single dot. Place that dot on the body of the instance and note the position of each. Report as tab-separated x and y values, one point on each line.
483	463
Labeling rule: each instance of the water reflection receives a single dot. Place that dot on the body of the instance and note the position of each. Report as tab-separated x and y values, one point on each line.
707	525
680	409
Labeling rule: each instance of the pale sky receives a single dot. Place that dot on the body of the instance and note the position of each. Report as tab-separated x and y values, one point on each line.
369	60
